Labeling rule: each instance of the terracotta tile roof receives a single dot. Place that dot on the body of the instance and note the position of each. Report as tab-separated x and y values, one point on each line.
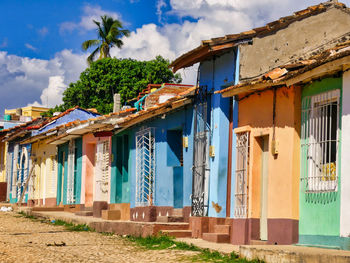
170	89
214	46
281	74
76	123
27	126
22	129
175	102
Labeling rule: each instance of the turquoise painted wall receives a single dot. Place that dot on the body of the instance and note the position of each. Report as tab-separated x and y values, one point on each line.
63	148
77	172
121	162
78	169
319	218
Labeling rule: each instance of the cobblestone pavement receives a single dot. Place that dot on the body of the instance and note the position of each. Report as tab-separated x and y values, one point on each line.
24	240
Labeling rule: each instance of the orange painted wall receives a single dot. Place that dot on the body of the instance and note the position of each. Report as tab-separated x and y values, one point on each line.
89	152
256	113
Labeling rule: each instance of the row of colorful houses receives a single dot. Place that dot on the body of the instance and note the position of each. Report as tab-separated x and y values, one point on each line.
257	152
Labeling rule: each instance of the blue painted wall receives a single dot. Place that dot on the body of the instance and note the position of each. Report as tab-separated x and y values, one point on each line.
167	165
77	114
214	74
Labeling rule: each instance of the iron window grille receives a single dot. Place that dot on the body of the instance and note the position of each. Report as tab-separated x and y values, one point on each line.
320	142
71	174
242	164
9	173
102	157
145	167
51	167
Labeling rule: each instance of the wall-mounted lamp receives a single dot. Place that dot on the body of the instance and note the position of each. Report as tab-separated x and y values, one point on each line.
185	142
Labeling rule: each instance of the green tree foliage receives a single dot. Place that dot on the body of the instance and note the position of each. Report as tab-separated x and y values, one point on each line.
109	32
99	82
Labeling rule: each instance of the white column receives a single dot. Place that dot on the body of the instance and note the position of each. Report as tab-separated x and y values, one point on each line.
345	157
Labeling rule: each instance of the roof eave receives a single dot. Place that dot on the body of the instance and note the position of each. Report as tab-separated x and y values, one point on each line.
321	71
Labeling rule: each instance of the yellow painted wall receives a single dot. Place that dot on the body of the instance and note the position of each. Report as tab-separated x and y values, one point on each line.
3	152
31	111
45	180
256	111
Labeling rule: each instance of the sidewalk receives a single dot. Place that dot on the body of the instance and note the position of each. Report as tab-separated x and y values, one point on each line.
268	253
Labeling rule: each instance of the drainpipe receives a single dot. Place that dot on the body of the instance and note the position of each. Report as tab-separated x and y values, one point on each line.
229	161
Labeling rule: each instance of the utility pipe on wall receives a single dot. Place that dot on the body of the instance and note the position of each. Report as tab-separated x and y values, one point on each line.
229	161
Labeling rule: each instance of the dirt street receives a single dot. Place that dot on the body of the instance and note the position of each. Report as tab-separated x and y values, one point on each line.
24	240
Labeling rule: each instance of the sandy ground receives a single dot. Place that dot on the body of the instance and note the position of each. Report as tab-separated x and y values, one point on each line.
24	240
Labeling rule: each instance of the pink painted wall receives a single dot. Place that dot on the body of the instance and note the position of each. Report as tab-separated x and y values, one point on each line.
88	169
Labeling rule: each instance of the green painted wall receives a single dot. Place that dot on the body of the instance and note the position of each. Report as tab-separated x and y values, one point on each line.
319	212
120	188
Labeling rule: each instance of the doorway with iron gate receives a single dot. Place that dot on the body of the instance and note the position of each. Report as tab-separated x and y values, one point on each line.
200	175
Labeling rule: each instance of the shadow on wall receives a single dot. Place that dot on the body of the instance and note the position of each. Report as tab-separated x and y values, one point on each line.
321	198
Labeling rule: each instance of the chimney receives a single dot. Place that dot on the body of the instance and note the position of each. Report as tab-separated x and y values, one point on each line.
116	100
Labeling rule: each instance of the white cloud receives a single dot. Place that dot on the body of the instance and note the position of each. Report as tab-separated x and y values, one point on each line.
160	4
86	23
145	44
29	46
52	95
25	80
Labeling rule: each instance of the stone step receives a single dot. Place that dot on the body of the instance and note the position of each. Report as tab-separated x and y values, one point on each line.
216	237
258	242
177	233
169	219
89	208
84	213
222	229
171	226
47	209
177	212
111	214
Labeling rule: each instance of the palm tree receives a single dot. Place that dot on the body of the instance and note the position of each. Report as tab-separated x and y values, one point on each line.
109	34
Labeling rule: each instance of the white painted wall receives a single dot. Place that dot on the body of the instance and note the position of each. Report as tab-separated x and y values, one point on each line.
345	159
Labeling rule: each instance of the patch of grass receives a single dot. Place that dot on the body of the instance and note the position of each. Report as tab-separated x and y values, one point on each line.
71	226
153	242
214	256
22	214
204	255
58	222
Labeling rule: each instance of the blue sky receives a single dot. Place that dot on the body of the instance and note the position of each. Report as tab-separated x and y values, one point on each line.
40	40
34	28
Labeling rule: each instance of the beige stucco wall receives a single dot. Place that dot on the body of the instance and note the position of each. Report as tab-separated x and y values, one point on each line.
299	39
3	152
45	179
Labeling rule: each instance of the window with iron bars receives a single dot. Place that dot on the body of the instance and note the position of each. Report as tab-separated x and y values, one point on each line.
145	167
242	162
320	142
102	160
71	173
